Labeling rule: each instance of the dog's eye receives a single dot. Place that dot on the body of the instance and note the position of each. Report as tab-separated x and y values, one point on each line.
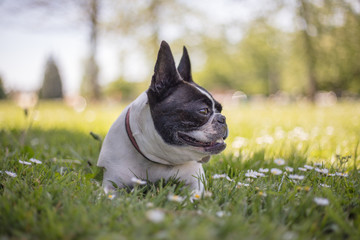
204	111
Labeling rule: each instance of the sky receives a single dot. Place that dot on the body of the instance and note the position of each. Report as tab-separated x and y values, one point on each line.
24	54
29	38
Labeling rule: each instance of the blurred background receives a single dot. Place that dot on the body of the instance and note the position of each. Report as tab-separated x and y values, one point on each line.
241	50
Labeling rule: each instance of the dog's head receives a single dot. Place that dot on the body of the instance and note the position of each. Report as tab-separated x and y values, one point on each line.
184	114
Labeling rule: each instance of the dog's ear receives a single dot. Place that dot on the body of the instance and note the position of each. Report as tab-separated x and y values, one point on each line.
184	67
165	73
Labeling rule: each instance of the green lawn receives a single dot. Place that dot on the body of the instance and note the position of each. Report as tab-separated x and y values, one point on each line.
62	197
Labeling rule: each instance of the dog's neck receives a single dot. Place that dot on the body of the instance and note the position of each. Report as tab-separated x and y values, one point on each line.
150	142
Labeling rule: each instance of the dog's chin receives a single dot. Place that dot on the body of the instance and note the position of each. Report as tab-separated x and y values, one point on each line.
211	147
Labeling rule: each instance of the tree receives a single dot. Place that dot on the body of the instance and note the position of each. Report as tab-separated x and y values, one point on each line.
2	91
52	85
90	86
80	12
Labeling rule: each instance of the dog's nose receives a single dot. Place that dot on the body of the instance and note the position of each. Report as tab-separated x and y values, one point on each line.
221	119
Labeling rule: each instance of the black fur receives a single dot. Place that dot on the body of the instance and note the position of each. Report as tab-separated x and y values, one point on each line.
173	98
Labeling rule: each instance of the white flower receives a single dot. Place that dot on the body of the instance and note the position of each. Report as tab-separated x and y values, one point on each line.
302	169
289	169
11	174
341	174
149	205
138	181
155	215
279	133
240	184
267	139
263	170
251	174
279	161
321	201
323	171
318	164
229	179
308	167
217	176
262	194
296	177
175	198
239	142
111	196
276	171
221	214
260	175
35	161
324	185
196	195
207	194
298	133
24	162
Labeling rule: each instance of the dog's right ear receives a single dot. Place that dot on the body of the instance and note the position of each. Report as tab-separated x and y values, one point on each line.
165	73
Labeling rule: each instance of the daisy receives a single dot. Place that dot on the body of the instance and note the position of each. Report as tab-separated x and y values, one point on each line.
217	176
341	174
302	169
276	171
267	139
207	194
321	201
221	213
149	205
289	169
111	196
263	170
155	215
11	174
24	162
175	198
239	142
251	174
279	161
324	185
138	181
308	167
318	164
296	177
195	196
323	171
229	179
262	194
35	161
240	184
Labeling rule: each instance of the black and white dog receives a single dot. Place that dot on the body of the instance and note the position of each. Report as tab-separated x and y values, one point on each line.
168	131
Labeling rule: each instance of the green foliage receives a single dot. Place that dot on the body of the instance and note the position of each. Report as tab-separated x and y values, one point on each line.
321	53
90	87
52	84
253	65
62	198
2	91
122	89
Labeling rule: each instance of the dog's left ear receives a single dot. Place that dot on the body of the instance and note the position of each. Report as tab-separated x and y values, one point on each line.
184	67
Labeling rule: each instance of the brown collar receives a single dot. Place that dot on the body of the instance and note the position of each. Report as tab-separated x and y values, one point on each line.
131	136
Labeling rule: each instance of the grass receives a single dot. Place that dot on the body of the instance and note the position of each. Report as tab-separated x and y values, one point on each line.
62	197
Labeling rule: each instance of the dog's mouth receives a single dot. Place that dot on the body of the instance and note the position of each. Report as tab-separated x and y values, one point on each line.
209	147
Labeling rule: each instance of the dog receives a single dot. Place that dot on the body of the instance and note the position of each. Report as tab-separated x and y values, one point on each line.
170	130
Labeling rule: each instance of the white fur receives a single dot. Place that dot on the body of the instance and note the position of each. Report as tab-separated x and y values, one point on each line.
122	161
